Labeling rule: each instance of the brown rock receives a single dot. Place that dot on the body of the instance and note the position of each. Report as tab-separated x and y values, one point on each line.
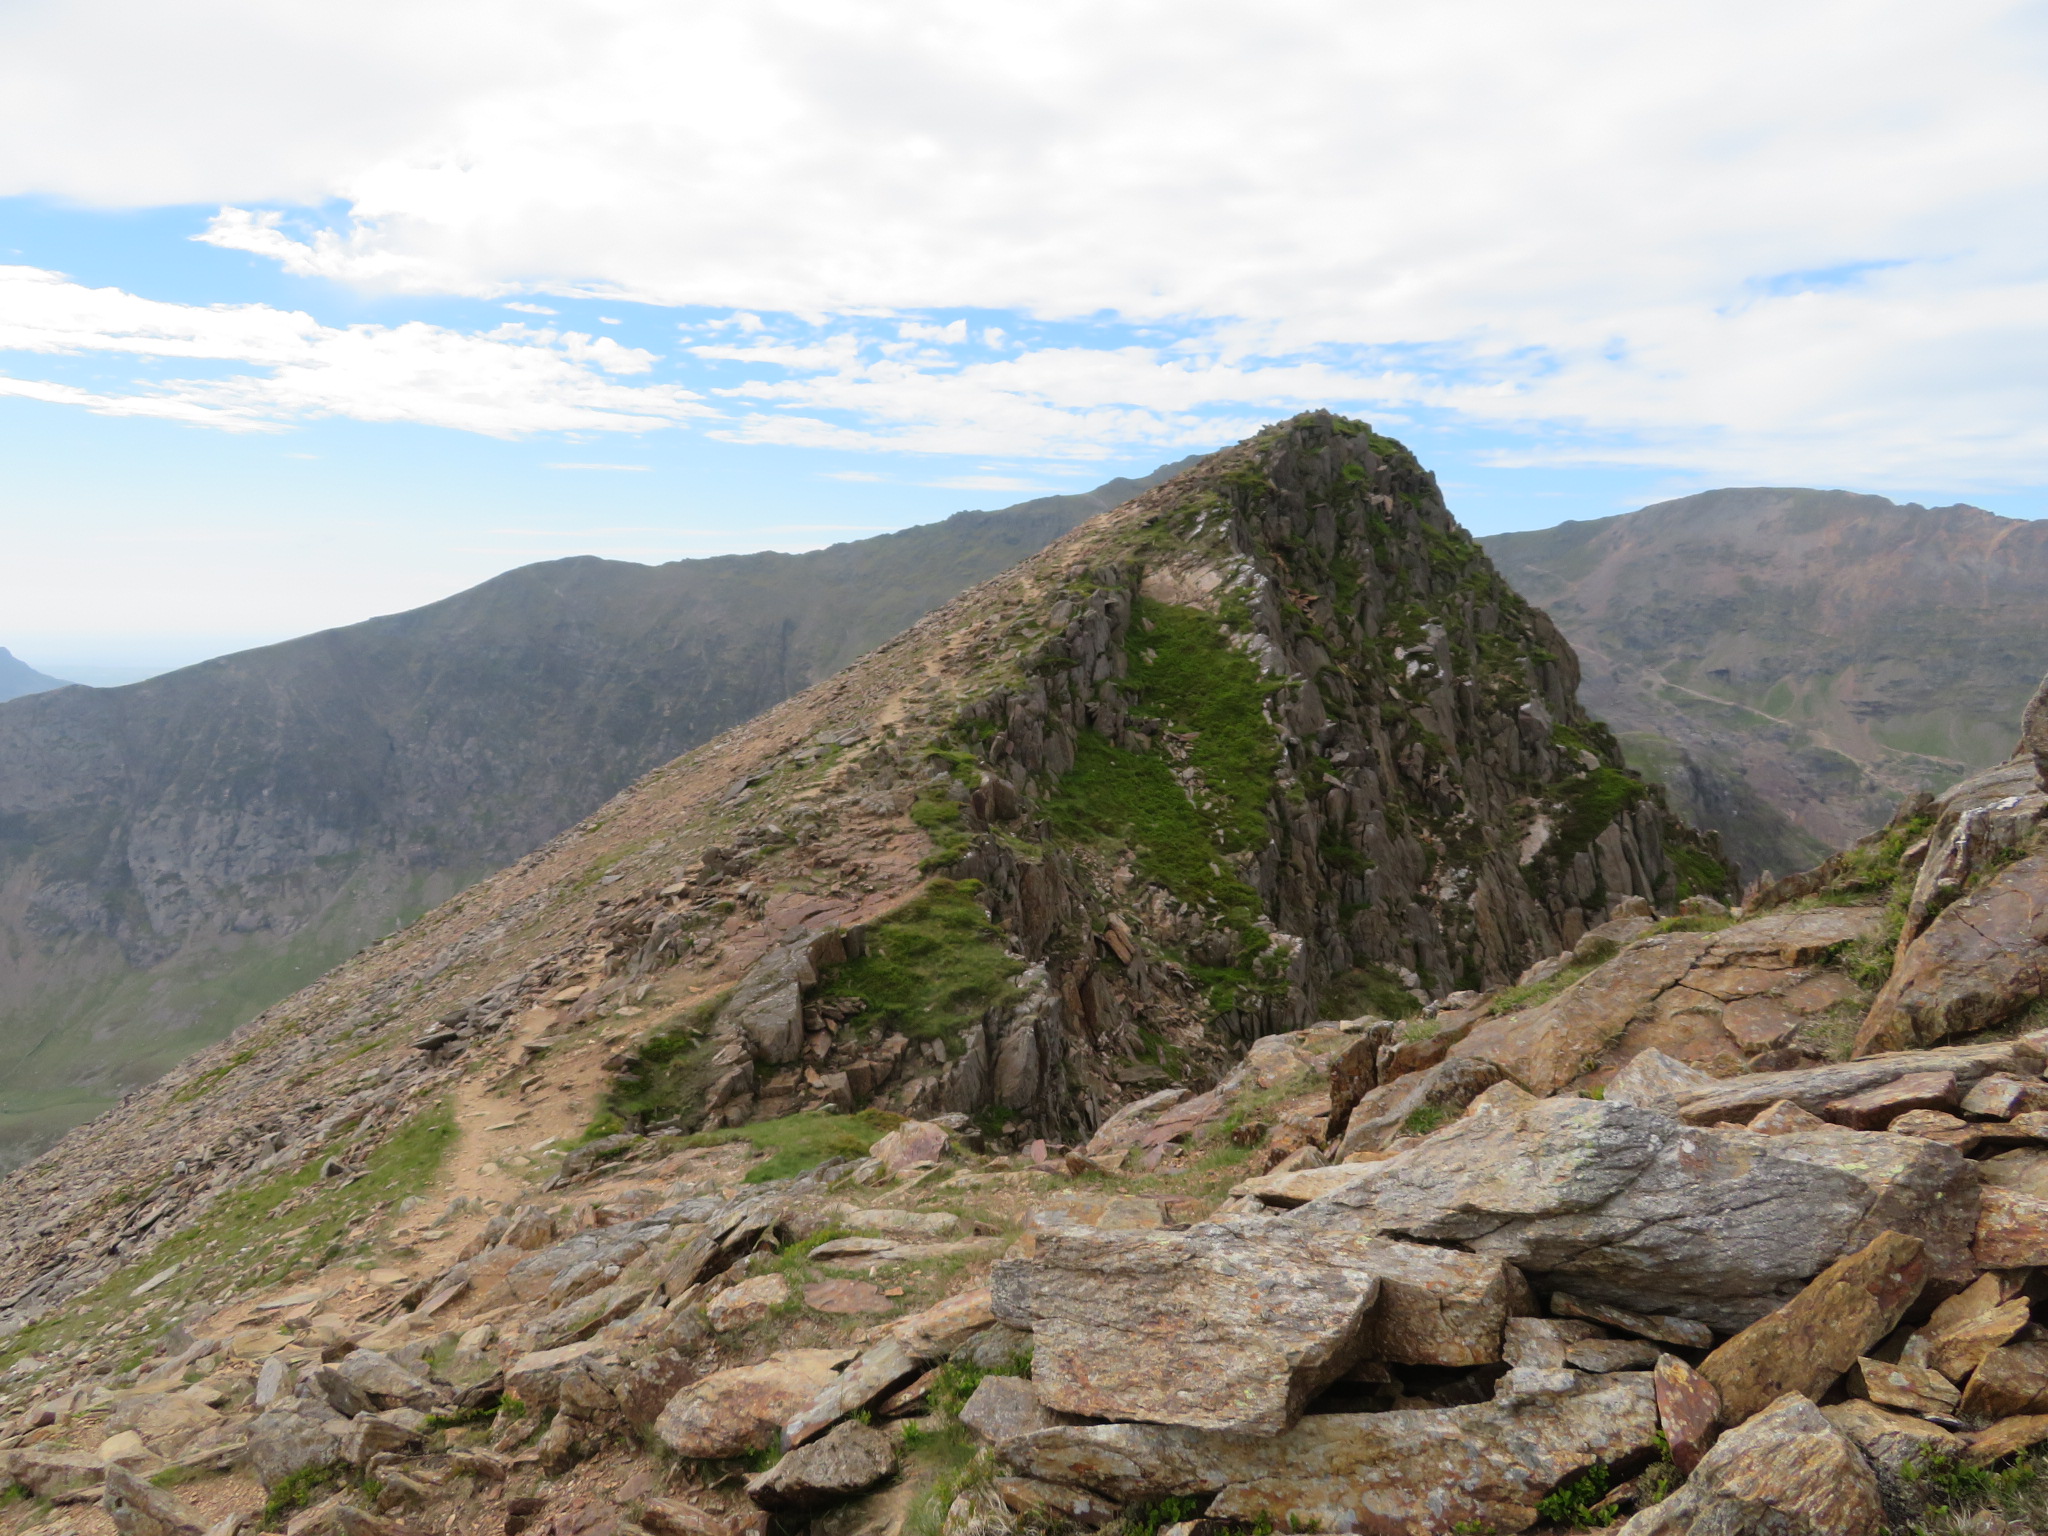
2024	1170
1422	1471
1875	1108
2002	1095
1688	1411
846	1298
1547	1047
60	1476
1938	1126
1787	1470
1385	1114
678	1517
747	1303
1978	963
2012	1230
2005	1438
1219	1327
1682	1331
946	1325
1813	1088
1603	1355
912	1143
1913	1388
1759	1023
1004	1407
2012	1380
1030	1497
1783	1118
1806	1345
739	1411
1541	1342
1653	1080
880	1370
1958	1348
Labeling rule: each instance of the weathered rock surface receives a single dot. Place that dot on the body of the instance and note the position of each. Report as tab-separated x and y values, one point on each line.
1004	1407
1383	1114
1786	1472
1425	1471
1614	1203
852	1458
139	1508
1688	1411
1814	1088
1223	1327
1806	1345
2011	1231
1981	961
736	1412
2012	1379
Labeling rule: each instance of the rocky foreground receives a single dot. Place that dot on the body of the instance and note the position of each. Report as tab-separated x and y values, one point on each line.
1338	1291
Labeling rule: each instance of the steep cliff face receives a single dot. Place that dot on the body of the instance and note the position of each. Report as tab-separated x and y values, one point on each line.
177	854
1794	662
1270	742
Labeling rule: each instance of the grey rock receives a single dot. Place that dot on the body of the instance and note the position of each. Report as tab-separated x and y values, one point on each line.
1004	1407
139	1508
1409	1470
283	1441
1652	1080
1383	1114
1621	1205
849	1460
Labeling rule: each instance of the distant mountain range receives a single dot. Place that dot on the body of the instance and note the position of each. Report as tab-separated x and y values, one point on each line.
177	854
18	678
1792	662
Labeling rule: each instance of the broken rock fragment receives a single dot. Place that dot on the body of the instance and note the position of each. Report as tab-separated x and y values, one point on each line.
1220	1327
1786	1472
1805	1346
1422	1471
736	1412
852	1458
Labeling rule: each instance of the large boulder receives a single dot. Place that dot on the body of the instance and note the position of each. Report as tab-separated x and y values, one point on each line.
1227	1327
1981	961
852	1458
739	1411
1235	1324
1787	1472
1806	1345
139	1508
289	1439
1424	1471
1549	1046
1618	1204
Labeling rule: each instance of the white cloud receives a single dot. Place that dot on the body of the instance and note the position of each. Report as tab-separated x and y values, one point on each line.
532	309
506	382
1584	222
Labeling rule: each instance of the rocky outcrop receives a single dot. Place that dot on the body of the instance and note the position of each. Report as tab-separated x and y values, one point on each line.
1787	1472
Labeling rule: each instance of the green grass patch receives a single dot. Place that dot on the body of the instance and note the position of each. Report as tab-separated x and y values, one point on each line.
1425	1118
300	1489
1536	992
932	968
248	1237
1367	991
1571	1503
798	1143
1698	872
671	1073
1591	803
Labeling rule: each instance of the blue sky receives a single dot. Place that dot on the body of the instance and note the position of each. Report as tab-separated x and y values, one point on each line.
313	315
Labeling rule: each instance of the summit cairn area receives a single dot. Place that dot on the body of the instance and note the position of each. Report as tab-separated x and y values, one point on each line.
1200	1035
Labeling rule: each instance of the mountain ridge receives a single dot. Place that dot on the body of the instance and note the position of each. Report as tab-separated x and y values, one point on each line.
1793	662
178	853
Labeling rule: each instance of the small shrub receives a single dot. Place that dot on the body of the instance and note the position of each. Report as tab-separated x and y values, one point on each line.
300	1489
1571	1503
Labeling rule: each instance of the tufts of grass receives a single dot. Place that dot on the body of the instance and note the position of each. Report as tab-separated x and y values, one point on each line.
1959	1495
1368	991
671	1075
798	1143
248	1237
1515	998
933	967
1591	803
1425	1118
300	1489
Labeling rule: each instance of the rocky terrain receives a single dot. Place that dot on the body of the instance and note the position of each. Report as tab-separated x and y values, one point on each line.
957	1103
1793	663
178	854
